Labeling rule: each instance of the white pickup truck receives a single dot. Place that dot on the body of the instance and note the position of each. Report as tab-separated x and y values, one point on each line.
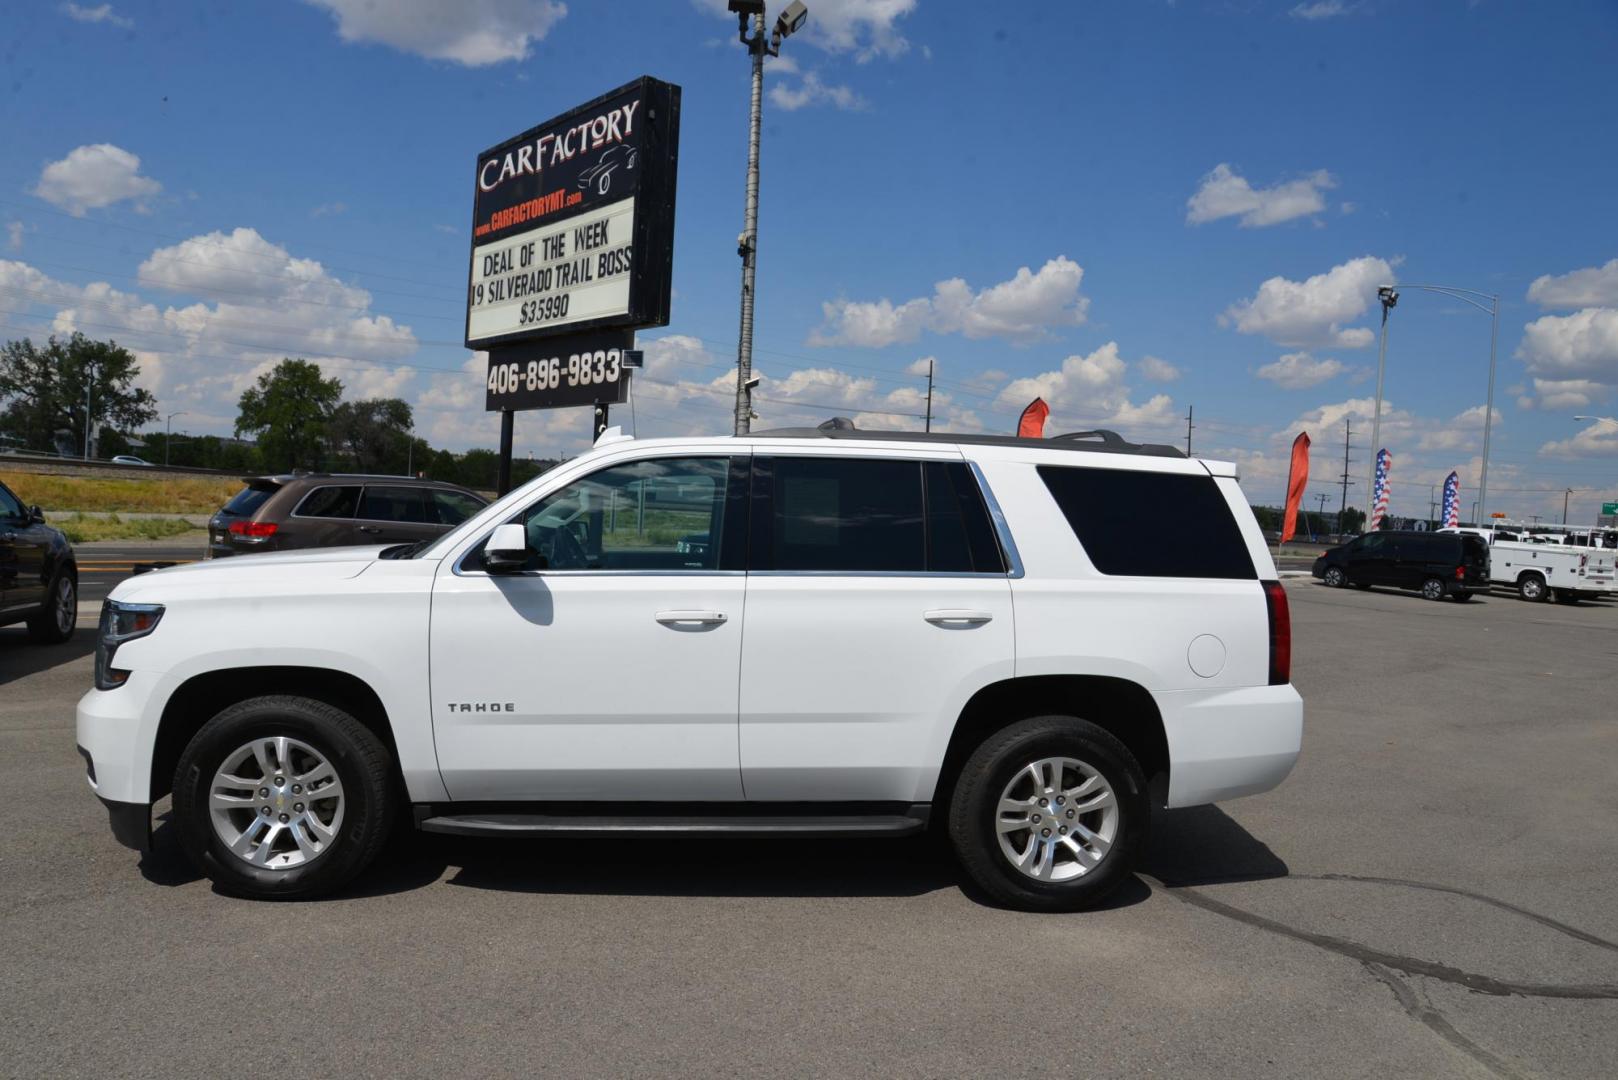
1540	566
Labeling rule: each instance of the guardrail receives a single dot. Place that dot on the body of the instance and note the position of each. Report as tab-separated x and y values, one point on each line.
39	463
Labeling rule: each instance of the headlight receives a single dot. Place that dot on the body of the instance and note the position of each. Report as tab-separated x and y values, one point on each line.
120	622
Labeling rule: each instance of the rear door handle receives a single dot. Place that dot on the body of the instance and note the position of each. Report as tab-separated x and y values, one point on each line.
703	618
369	529
956	616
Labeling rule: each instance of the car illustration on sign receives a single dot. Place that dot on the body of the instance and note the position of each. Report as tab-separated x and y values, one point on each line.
599	175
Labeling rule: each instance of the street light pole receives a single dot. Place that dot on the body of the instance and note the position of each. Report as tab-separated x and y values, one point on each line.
1389	299
1465	296
168	432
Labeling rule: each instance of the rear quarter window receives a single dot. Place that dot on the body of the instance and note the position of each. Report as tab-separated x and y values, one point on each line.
249	499
1145	524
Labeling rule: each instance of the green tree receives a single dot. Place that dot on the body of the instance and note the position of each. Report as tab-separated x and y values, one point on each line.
374	435
1353	520
288	412
42	391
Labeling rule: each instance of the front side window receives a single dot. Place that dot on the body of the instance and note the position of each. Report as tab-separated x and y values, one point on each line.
454	507
660	514
387	503
10	505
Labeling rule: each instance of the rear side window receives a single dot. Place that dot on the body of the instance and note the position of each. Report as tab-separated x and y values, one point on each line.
407	504
247	501
960	537
330	502
1133	523
849	514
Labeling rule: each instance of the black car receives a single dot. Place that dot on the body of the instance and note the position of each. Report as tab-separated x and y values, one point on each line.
311	509
1436	564
39	579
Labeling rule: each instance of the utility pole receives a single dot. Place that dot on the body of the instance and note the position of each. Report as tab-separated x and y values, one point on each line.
1321	513
1565	495
787	23
1348	433
1190	410
1432	501
930	362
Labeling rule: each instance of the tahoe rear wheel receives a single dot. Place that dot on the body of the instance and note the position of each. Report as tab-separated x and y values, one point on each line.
1432	589
283	798
1049	814
1335	577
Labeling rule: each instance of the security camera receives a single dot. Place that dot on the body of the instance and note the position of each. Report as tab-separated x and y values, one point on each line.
791	19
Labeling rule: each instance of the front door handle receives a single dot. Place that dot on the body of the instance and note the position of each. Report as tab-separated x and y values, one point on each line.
702	618
956	617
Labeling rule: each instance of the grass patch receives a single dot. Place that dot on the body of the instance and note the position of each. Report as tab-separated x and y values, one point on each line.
191	495
80	529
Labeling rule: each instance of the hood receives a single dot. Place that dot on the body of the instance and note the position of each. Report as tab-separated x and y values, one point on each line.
315	564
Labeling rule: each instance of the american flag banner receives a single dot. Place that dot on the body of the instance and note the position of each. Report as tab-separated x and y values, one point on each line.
1379	494
1452	500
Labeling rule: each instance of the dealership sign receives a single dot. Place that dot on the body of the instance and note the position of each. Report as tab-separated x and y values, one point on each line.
573	233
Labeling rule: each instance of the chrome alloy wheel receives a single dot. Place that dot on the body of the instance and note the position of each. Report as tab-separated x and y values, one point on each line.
1432	589
276	803
1057	819
1335	577
66	606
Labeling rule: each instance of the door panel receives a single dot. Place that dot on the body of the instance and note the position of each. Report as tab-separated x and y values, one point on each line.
22	555
607	670
395	514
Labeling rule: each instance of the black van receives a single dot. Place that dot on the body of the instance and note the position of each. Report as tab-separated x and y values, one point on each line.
1438	564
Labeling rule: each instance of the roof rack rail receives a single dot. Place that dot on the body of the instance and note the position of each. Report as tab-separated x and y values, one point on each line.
1099	441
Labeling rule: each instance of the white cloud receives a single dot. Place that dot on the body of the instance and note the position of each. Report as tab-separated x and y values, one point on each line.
811	91
1600	439
1226	194
14	234
1023	309
100	14
1583	345
1594	286
1320	9
91	177
1311	312
1157	370
473	33
1089	391
1566	393
866	28
1300	370
920	367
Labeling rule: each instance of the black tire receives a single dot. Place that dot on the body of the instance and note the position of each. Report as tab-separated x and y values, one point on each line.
1433	589
993	765
1531	587
1334	577
54	624
362	765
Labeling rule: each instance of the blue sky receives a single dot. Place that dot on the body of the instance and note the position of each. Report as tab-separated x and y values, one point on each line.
1130	209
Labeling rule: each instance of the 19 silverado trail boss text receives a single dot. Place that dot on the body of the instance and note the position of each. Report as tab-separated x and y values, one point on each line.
809	632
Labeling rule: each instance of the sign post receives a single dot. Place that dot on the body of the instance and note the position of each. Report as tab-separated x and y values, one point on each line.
572	251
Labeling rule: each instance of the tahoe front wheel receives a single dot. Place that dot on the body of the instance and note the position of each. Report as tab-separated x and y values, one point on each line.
283	798
1049	814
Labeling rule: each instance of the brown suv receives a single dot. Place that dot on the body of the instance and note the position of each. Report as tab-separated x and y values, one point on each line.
308	510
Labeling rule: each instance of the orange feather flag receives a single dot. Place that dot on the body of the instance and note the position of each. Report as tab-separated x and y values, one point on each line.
1031	425
1298	479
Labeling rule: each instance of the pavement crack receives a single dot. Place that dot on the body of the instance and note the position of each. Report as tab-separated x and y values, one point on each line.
1410	965
1415	1003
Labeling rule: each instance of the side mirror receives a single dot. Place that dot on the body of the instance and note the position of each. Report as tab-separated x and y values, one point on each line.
36	514
507	549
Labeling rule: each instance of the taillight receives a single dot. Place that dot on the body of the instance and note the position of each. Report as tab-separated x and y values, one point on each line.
253	529
1460	573
1275	600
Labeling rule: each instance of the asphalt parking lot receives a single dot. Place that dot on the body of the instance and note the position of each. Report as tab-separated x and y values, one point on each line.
1430	894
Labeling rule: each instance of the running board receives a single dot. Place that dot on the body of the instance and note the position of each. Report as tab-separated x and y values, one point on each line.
805	826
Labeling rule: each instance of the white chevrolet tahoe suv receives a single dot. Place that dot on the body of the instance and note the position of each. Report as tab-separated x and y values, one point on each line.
809	632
